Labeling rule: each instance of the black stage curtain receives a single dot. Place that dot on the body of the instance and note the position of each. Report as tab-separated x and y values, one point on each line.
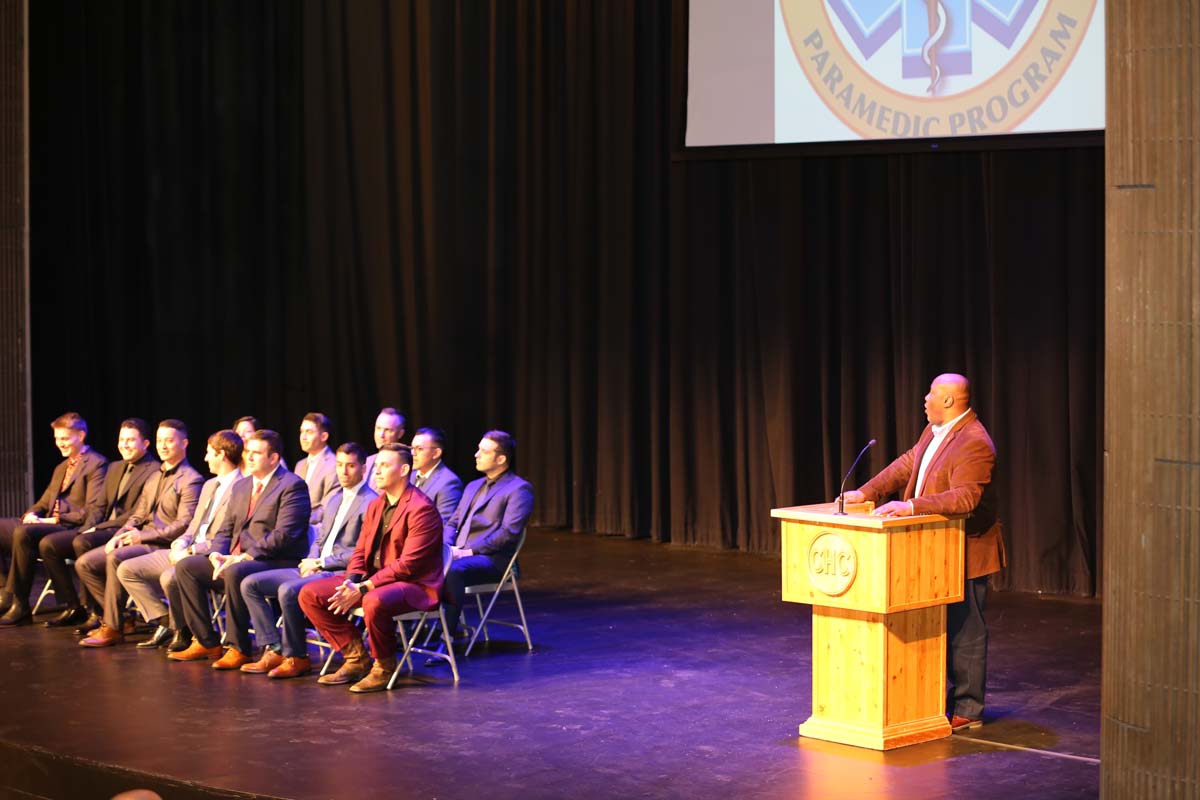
471	211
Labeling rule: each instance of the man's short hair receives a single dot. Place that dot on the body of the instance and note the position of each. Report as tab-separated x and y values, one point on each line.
138	424
354	449
395	447
274	443
176	425
252	420
506	445
393	413
320	420
436	435
228	443
71	421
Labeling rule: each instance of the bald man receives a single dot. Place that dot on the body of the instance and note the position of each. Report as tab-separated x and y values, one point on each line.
949	471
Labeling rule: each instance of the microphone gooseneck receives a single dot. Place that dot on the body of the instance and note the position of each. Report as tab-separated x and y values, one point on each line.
842	489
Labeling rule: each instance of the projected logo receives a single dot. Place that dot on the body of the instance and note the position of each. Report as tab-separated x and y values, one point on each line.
925	68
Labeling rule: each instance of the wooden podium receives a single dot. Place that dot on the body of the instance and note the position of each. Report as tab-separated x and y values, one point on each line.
879	587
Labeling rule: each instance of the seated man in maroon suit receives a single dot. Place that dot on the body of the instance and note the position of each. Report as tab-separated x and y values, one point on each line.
396	568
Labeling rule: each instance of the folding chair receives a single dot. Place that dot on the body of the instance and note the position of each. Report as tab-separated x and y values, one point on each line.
48	587
507	583
409	641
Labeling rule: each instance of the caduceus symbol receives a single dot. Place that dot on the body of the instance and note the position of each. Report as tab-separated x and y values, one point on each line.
938	24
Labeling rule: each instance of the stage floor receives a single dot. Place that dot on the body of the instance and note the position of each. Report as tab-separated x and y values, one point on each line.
657	672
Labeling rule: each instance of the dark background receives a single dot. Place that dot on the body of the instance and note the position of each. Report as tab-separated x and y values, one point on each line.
479	213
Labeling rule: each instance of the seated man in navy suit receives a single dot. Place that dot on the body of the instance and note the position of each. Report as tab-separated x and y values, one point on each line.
486	527
329	554
430	475
265	528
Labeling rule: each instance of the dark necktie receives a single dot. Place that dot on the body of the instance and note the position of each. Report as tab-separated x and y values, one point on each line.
465	531
418	480
122	487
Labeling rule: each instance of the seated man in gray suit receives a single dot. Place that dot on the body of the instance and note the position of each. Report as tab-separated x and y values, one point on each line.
163	512
430	475
143	576
329	554
389	429
484	530
318	467
265	528
122	487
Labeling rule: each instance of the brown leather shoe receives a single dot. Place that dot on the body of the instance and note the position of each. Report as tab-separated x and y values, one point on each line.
269	661
963	724
377	679
356	665
103	637
292	667
129	626
196	652
233	659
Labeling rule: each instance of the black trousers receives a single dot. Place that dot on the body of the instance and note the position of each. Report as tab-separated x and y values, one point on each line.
193	581
21	542
966	646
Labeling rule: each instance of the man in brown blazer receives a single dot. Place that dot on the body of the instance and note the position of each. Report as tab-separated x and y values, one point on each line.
949	471
396	567
74	500
163	512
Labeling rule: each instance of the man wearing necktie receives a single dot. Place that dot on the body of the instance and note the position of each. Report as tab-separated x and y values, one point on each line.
329	554
73	500
163	512
151	577
122	487
265	528
486	527
949	471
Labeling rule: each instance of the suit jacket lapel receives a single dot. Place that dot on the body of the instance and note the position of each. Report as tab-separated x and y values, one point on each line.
922	445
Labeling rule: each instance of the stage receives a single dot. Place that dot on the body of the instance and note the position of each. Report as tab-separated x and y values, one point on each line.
657	671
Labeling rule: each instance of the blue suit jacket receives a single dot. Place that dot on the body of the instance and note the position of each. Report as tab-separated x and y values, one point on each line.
278	529
444	488
347	537
499	518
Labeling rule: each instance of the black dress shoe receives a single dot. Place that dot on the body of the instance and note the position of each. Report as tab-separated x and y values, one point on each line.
162	635
17	614
90	624
179	642
6	600
72	616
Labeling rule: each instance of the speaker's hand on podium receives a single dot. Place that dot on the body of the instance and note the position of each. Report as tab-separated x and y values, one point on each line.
852	497
896	508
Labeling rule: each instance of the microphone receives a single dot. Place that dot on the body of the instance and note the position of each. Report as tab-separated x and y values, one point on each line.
842	491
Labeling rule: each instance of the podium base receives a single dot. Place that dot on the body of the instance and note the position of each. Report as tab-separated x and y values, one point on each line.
875	738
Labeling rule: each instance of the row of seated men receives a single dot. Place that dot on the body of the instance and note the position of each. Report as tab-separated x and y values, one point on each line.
345	531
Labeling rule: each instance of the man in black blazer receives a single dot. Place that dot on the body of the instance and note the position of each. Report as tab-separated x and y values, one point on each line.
122	487
74	500
265	528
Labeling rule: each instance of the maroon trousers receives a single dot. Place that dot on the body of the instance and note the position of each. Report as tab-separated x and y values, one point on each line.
378	607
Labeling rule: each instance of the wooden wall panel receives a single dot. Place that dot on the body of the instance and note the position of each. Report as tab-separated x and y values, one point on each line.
1151	677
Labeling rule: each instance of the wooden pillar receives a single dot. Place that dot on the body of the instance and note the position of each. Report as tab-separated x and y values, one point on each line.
1150	740
16	468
